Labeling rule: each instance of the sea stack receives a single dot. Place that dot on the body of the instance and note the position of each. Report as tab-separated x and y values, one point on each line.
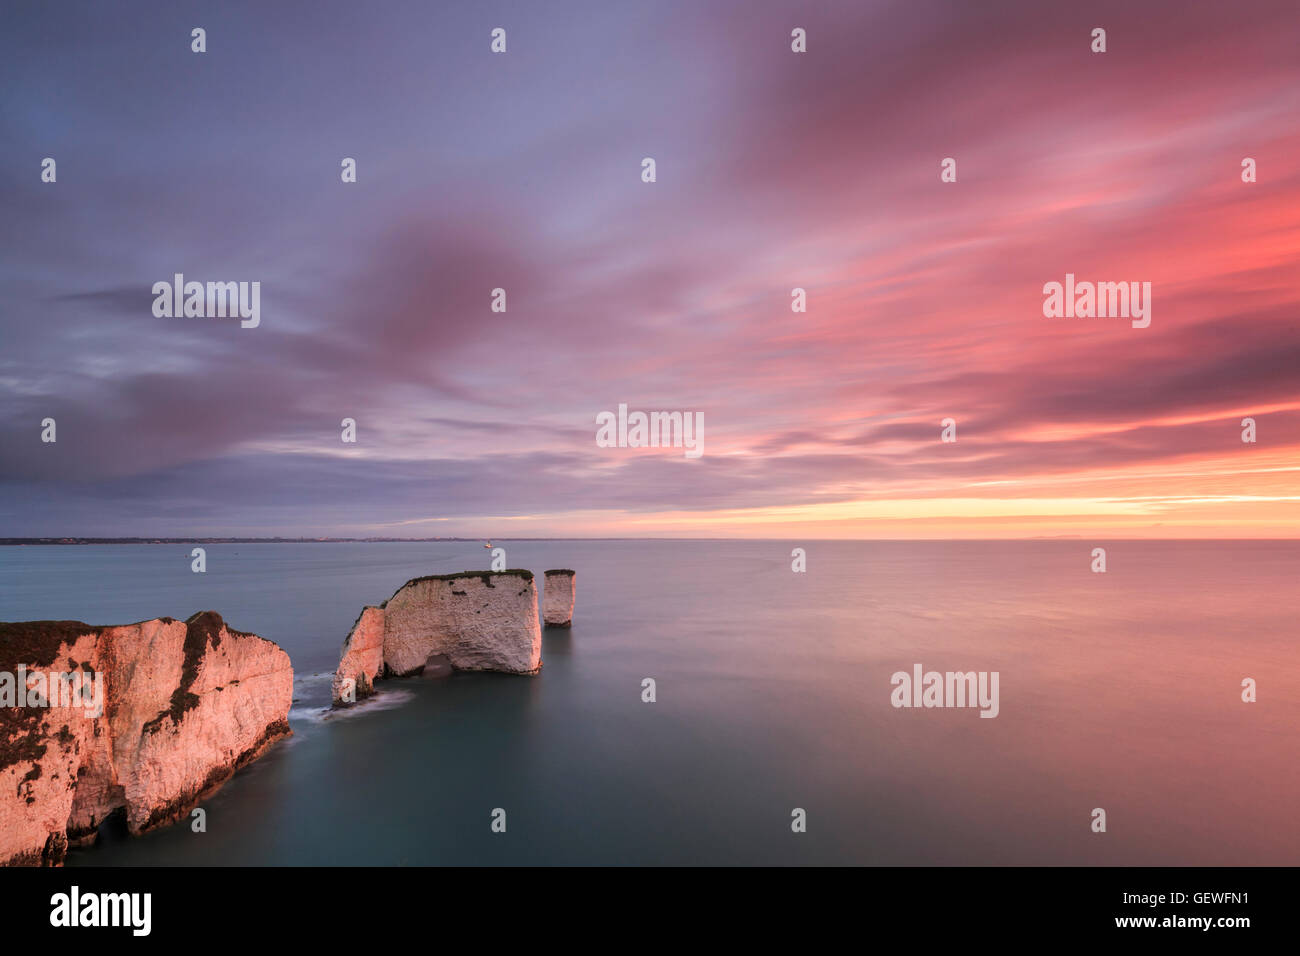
143	718
557	598
475	620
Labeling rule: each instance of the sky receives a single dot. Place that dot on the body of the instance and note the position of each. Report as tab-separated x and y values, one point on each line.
775	170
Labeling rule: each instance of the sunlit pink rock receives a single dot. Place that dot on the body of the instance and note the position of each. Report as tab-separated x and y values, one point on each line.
184	705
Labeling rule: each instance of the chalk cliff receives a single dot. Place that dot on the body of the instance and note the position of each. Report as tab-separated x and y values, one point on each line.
184	705
476	620
363	656
557	598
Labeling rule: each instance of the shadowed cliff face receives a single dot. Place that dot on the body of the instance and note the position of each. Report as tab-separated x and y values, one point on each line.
477	620
180	707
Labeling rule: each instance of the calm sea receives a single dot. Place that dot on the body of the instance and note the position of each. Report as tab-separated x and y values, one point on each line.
1119	690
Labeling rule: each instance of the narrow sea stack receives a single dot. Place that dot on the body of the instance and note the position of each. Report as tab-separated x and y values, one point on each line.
144	719
475	621
557	598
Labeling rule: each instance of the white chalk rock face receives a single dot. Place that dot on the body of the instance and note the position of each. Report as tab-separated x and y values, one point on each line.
557	598
476	621
183	705
363	657
481	621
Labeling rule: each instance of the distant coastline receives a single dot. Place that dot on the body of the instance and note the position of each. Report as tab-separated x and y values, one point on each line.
208	540
16	542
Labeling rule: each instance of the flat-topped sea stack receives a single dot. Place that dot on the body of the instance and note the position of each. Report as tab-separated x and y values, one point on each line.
474	621
144	718
557	598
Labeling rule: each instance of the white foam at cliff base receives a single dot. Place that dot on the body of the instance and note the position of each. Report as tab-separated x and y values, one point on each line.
382	700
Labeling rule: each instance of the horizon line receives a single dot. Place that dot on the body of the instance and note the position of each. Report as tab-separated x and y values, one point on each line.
71	540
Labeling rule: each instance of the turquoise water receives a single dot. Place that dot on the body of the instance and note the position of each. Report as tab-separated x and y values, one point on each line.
1117	690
